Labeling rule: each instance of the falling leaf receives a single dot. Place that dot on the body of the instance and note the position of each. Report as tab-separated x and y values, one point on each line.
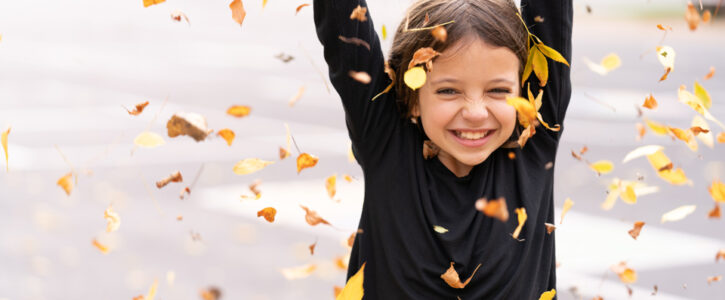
721	137
114	221
414	78
285	58
238	12
148	139
264	3
634	232
567	205
353	289
100	247
297	10
354	41
666	56
642	151
550	228
650	102
330	185
191	124
525	135
152	291
312	248
312	217
147	3
362	77
692	16
177	15
210	293
540	66
703	132
626	274
720	254
641	131
430	149
548	295
667	73
384	32
66	182
337	290
602	166
452	279
657	128
702	94
678	213
254	187
227	134
250	165
305	160
286	152
359	14
706	16
175	177
298	272
239	111
609	63
710	74
268	213
184	191
138	109
511	155
521	215
663	28
347	178
425	56
4	142
628	195
538	19
659	160
283	153
717	191
440	229
715	212
350	154
526	110
495	208
439	33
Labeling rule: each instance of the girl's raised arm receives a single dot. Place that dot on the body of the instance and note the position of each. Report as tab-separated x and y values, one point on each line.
365	118
555	32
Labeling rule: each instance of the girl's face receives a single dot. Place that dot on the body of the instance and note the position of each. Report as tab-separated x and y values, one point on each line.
462	105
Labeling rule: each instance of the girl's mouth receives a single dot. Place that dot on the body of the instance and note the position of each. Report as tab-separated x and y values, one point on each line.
471	138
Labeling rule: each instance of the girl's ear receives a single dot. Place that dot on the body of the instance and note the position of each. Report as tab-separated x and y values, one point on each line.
415	110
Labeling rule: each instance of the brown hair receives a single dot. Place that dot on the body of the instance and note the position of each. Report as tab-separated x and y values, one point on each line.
493	21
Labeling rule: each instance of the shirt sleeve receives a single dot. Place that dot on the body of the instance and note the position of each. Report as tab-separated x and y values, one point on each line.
366	120
555	32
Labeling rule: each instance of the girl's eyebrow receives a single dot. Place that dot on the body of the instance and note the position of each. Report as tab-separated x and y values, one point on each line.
453	80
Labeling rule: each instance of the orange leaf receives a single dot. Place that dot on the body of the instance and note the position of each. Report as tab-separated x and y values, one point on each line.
100	247
114	221
697	130
66	183
238	12
147	3
641	131
359	14
634	232
254	187
626	274
715	212
526	110
711	279
710	74
667	73
138	109
706	16
550	228
297	10
717	191
425	56
330	185
312	248
663	28
650	102
452	279
283	153
211	293
4	142
720	254
521	215
362	77
305	160
239	111
721	137
175	177
347	178
692	16
312	217
439	33
227	134
495	208
268	213
177	15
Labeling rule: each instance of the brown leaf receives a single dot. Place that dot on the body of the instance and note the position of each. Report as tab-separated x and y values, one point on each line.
238	12
191	124
210	293
452	279
359	14
495	208
239	111
430	149
439	33
697	130
227	134
305	160
362	77
268	213
138	109
692	16
177	15
667	72
650	102
175	177
66	182
297	10
312	248
425	56
715	212
634	232
354	41
185	191
312	217
550	228
710	74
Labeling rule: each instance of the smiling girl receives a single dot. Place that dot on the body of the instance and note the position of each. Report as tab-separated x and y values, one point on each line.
462	109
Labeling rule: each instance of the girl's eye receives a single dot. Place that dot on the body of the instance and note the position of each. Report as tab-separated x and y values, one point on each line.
446	92
500	91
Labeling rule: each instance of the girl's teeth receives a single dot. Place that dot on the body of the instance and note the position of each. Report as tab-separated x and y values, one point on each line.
471	135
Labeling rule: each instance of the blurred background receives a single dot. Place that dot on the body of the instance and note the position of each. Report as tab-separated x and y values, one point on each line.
68	69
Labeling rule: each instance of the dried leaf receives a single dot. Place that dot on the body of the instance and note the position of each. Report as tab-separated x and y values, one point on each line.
549	228
439	33
548	295
525	135
250	165
666	56
268	213
239	111
305	160
100	247
641	131
702	131
286	152
254	187
283	153
191	124
177	15
353	289
184	192
602	166
720	254
717	191
452	279
66	182
298	272
692	16
114	221
227	134
238	12
663	28
297	10
312	248
285	58
359	14
362	77
210	293
667	73
138	109
650	102
659	160
425	56
4	142
678	213
440	229
538	19
330	185
430	149
312	217
148	139
567	206
626	274
521	215
634	232
710	74
175	177
715	212
147	3
354	41
347	178
495	208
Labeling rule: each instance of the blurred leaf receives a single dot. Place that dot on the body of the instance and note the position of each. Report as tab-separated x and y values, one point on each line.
174	177
678	213
238	12
297	10
609	63
705	137
148	139
250	165
717	191
4	142
521	216
692	16
268	213
66	183
227	134
440	229
634	232
353	289
330	185
239	111
548	295
602	166
362	77
642	151
567	206
495	208
312	218
100	247
439	33
191	124
305	161
114	221
626	274
452	279
650	102
298	272
359	14
703	95
147	3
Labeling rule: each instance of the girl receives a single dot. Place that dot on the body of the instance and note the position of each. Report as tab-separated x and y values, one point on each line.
461	110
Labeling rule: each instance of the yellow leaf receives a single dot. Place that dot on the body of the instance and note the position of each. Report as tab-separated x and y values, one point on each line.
298	272
114	221
678	213
4	141
612	195
305	161
440	229
100	247
551	53
353	289
350	154
385	32
66	183
548	295
626	274
250	165
602	166
227	134
239	111
238	12
330	185
527	68
540	66
152	291
659	162
521	215
703	95
264	3
717	191
657	128
642	151
628	196
414	78
609	63
567	205
148	139
526	110
147	3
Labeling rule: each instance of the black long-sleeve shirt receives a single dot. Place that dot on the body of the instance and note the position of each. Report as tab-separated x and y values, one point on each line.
406	195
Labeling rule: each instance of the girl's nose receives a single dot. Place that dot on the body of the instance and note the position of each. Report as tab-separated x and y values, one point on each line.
476	110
